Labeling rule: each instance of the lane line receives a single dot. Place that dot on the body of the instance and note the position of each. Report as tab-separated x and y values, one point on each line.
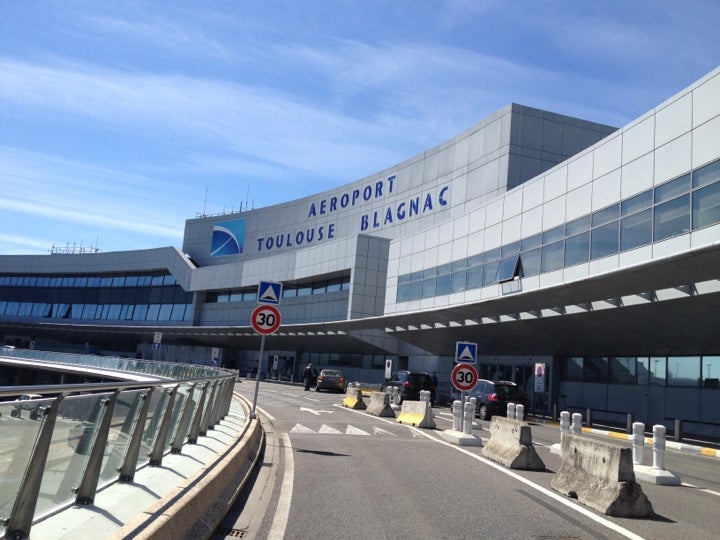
556	496
282	512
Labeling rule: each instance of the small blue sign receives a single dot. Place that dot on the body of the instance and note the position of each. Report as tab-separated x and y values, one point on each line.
465	352
269	292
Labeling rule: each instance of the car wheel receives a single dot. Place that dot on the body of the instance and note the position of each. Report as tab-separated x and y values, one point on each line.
483	413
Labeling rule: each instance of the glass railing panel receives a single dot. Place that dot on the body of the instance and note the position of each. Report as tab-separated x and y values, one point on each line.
19	428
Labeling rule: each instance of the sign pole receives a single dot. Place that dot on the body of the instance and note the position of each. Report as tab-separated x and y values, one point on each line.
257	376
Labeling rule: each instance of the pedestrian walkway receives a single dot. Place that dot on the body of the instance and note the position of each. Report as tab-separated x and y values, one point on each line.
121	503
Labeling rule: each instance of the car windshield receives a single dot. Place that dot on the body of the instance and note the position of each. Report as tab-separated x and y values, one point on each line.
506	390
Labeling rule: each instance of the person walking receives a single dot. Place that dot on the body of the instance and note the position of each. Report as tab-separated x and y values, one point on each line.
308	375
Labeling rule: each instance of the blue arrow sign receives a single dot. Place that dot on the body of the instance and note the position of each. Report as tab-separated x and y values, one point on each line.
269	292
465	352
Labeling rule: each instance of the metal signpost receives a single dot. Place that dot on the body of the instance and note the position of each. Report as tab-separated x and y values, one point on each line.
265	320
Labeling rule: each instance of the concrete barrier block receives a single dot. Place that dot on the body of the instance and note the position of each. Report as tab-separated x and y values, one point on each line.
354	399
600	475
511	445
417	413
380	405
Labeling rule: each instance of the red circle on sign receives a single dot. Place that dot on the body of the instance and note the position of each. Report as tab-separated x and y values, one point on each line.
265	319
464	377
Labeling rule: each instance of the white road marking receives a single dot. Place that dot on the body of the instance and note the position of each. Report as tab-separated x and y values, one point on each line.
329	430
556	496
315	412
282	512
299	428
352	430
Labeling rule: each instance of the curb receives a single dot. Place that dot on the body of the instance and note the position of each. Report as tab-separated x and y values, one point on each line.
672	445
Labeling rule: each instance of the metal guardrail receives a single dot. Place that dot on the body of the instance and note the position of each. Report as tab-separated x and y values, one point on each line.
58	448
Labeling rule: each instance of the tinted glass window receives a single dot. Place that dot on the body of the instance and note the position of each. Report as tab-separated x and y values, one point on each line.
707	174
706	206
604	241
636	230
637	203
672	218
577	249
670	190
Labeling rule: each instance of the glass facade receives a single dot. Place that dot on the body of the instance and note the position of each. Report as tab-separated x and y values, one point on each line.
249	294
671	371
689	202
135	297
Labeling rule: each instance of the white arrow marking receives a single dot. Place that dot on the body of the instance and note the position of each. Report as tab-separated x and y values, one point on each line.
316	413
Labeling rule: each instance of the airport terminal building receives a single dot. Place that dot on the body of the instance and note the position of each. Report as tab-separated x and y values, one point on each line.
584	261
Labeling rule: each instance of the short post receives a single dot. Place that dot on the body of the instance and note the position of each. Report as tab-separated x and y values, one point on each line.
638	442
555	412
468	420
628	423
576	425
564	423
457	415
678	430
519	412
588	417
659	446
511	410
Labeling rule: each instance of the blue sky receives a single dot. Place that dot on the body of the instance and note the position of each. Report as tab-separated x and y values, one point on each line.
120	120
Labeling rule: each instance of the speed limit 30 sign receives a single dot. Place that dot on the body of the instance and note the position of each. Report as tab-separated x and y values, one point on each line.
265	319
464	377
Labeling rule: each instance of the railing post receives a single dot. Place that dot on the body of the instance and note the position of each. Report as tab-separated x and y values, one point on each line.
161	438
85	492
208	409
184	422
195	428
127	471
21	516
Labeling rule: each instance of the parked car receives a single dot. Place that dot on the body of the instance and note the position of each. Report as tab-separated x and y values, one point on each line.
331	379
26	402
493	397
411	383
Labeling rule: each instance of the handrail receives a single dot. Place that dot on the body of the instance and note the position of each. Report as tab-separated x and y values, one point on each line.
78	438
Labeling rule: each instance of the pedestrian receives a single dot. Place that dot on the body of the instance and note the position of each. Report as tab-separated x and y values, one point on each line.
308	375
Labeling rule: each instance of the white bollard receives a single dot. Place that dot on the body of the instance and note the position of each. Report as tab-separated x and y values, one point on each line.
511	410
659	446
396	395
576	425
638	442
468	420
457	415
564	423
519	411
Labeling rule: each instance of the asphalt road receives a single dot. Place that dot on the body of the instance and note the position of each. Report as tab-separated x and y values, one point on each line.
330	472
